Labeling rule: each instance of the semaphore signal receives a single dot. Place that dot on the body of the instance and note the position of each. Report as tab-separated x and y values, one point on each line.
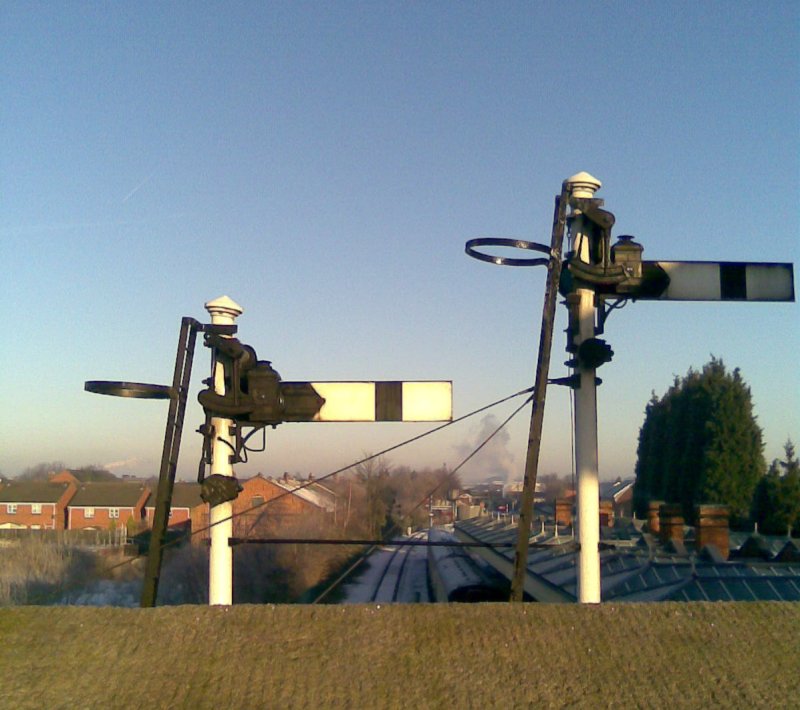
243	393
592	272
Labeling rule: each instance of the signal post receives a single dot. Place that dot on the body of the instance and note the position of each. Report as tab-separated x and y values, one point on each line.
592	273
582	314
223	311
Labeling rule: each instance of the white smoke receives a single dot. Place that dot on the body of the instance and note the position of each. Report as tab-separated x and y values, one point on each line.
126	463
494	461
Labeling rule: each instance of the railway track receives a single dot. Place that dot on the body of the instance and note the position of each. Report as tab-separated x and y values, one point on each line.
392	573
399	581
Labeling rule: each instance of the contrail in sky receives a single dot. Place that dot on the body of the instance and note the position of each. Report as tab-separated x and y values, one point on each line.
138	187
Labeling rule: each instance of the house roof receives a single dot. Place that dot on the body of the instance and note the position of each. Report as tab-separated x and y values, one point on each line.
611	490
122	495
32	492
185	494
308	492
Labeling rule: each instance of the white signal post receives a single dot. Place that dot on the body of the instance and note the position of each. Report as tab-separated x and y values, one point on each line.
223	311
586	464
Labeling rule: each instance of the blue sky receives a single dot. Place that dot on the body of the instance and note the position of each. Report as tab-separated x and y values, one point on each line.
323	165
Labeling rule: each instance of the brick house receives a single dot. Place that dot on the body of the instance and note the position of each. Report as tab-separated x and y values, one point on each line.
289	506
64	476
185	498
309	490
35	504
106	506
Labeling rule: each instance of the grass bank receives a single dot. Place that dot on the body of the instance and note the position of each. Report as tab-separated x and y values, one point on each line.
403	656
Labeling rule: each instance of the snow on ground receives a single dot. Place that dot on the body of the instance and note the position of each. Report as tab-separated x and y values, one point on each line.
385	572
105	592
360	589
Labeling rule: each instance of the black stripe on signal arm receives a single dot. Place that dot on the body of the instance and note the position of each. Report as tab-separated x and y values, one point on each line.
733	282
388	401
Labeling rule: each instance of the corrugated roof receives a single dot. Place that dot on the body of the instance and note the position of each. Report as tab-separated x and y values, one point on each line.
751	588
32	492
642	572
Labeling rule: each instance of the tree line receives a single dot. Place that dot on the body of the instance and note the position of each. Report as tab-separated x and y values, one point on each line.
700	443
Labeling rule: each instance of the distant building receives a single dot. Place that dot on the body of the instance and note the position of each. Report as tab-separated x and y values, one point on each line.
185	498
35	504
66	503
619	493
106	506
287	504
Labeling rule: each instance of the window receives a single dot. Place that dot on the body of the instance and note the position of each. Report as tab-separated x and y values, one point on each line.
36	508
256	501
113	512
11	508
88	513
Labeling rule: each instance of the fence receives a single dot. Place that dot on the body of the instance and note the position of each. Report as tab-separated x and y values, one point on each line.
79	538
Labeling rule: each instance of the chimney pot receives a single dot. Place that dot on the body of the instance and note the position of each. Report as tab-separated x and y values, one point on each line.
712	527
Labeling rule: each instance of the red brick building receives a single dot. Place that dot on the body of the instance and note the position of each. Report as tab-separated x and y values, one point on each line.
106	506
35	504
185	498
288	505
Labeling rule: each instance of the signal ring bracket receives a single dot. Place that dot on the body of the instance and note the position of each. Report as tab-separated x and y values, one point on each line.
471	250
138	390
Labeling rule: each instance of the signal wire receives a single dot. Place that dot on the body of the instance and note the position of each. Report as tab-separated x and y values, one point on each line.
199	531
372	457
396	526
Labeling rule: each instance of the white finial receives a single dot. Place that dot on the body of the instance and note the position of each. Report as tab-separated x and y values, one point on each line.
223	310
583	185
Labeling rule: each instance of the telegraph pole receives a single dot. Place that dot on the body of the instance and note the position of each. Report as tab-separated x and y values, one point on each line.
223	311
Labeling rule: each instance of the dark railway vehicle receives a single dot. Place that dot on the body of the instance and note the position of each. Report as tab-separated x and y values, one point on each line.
456	576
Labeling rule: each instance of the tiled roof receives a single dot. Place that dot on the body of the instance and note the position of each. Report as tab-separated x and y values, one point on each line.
32	492
122	495
184	495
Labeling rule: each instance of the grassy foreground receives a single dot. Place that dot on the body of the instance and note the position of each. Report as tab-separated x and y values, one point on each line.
402	656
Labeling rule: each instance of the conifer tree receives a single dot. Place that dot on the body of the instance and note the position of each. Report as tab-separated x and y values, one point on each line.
700	443
776	504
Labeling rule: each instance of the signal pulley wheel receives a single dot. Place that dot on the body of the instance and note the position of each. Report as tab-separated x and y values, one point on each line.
471	250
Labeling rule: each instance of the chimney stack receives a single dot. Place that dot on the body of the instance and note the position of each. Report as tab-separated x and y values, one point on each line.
653	507
606	514
563	511
671	523
712	527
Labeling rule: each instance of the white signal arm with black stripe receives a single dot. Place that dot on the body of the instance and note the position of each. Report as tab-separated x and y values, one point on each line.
717	281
